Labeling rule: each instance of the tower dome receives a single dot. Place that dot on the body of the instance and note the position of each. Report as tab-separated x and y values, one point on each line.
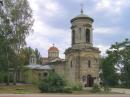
82	16
82	31
53	52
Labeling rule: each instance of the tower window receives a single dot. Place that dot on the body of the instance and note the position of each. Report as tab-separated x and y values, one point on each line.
89	63
73	37
87	35
80	31
71	64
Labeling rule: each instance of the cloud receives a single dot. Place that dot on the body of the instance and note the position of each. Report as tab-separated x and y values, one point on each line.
45	35
46	7
103	48
52	22
110	6
106	30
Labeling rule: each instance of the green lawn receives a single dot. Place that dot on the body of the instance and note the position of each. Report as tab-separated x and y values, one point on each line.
19	89
31	89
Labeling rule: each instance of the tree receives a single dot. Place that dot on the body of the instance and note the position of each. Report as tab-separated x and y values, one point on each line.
25	55
117	64
52	83
109	75
38	56
15	25
125	56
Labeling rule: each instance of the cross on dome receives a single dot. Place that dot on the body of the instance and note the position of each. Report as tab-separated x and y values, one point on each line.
53	44
81	5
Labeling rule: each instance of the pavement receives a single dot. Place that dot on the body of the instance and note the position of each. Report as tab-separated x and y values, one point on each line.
40	95
121	90
117	90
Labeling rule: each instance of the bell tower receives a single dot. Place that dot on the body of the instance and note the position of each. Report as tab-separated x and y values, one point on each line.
82	31
83	60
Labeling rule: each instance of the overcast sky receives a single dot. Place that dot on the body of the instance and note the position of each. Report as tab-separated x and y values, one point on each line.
52	22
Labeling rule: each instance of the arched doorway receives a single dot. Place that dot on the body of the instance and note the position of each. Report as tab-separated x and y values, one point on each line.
89	80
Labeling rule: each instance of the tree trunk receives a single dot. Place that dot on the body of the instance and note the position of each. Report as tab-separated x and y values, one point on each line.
14	78
7	83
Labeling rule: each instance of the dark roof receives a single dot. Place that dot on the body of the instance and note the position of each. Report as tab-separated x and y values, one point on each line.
82	16
39	67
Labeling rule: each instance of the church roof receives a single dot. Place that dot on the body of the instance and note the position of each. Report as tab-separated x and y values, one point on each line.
39	67
82	16
53	48
57	59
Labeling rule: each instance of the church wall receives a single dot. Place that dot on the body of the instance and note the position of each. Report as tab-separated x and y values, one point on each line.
80	65
71	67
93	70
33	76
59	68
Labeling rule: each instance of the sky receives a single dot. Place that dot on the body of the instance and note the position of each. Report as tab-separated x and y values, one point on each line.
52	23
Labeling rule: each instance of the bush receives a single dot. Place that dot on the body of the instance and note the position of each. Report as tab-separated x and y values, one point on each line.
67	89
96	88
53	83
77	87
106	88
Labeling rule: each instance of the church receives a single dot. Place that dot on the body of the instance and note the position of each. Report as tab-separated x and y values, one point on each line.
82	60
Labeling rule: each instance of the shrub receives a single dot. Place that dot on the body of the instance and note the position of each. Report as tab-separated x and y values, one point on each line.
96	88
106	88
77	87
67	89
53	83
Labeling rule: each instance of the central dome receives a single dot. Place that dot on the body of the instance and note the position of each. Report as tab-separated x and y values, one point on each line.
53	49
53	52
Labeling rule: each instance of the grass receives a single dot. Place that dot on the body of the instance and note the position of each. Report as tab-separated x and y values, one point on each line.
19	89
31	89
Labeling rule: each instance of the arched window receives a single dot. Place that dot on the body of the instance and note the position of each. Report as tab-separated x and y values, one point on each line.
87	35
71	64
80	31
73	37
89	63
84	78
45	74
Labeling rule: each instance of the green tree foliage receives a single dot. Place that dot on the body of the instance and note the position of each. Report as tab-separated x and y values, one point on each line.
38	56
96	88
25	55
76	86
53	83
109	74
117	64
15	24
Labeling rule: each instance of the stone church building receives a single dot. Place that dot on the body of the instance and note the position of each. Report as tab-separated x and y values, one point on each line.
82	60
